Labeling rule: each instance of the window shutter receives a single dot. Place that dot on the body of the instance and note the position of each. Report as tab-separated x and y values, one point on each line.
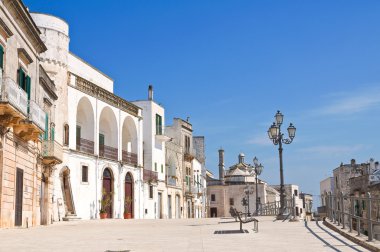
46	133
1	57
28	86
78	135
101	139
21	75
52	133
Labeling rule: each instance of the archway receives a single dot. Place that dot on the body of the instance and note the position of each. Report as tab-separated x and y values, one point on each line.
129	193
107	191
129	141
108	134
85	126
66	191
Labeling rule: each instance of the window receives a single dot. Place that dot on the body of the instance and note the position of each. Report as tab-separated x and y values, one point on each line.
295	192
162	168
155	166
151	192
66	134
84	173
46	133
212	197
24	81
158	124
1	57
101	145
231	201
78	136
187	144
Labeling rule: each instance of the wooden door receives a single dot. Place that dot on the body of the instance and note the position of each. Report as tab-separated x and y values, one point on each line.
159	205
129	191
169	206
67	194
107	188
19	196
177	206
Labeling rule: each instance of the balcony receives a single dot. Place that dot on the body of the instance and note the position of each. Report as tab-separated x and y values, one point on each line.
189	155
13	99
85	145
51	152
150	176
108	152
171	180
36	115
129	158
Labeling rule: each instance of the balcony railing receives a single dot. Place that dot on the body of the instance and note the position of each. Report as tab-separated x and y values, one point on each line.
108	152
129	157
10	92
37	115
189	155
150	176
171	180
85	145
52	151
192	189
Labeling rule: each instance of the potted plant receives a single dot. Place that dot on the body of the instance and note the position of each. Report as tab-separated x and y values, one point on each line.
105	202
127	205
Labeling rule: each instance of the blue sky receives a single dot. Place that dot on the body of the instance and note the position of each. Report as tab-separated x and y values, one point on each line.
230	65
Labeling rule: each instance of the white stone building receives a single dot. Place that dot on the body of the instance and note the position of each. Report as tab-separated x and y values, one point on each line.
101	133
157	200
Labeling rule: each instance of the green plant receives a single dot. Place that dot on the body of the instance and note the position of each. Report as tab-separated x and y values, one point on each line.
106	201
127	204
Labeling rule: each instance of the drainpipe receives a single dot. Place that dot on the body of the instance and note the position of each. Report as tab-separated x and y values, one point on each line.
97	161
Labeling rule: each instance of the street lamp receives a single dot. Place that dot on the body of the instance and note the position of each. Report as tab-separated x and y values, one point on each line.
258	170
248	190
277	138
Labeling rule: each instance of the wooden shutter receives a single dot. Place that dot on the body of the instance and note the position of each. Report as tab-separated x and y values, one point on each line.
21	78
19	196
1	57
28	86
46	133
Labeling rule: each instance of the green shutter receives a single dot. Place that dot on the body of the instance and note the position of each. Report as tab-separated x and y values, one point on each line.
21	78
1	57
101	139
28	86
52	133
46	133
78	135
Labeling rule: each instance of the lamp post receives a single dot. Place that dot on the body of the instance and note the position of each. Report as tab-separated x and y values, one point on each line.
248	190
258	170
277	138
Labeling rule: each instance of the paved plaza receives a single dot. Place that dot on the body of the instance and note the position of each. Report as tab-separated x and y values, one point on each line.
175	235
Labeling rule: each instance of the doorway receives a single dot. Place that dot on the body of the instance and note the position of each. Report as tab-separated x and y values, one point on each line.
19	196
43	201
177	207
108	191
213	212
159	205
129	192
169	206
66	191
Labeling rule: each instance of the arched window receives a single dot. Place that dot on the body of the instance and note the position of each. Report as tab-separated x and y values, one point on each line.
66	134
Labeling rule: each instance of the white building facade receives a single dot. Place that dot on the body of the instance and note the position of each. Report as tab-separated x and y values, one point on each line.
101	134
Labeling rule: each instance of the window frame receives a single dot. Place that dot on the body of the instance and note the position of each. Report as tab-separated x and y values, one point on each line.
82	169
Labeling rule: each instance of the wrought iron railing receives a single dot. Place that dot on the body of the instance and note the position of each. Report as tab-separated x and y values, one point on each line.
360	213
12	93
37	115
150	176
85	145
52	149
129	157
108	152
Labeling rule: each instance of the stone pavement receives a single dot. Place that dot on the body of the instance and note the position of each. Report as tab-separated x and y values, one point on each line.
175	235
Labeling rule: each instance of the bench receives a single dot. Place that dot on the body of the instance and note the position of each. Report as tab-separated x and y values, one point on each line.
251	219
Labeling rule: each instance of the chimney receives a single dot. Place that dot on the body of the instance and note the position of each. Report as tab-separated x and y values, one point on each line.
241	158
150	93
221	165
